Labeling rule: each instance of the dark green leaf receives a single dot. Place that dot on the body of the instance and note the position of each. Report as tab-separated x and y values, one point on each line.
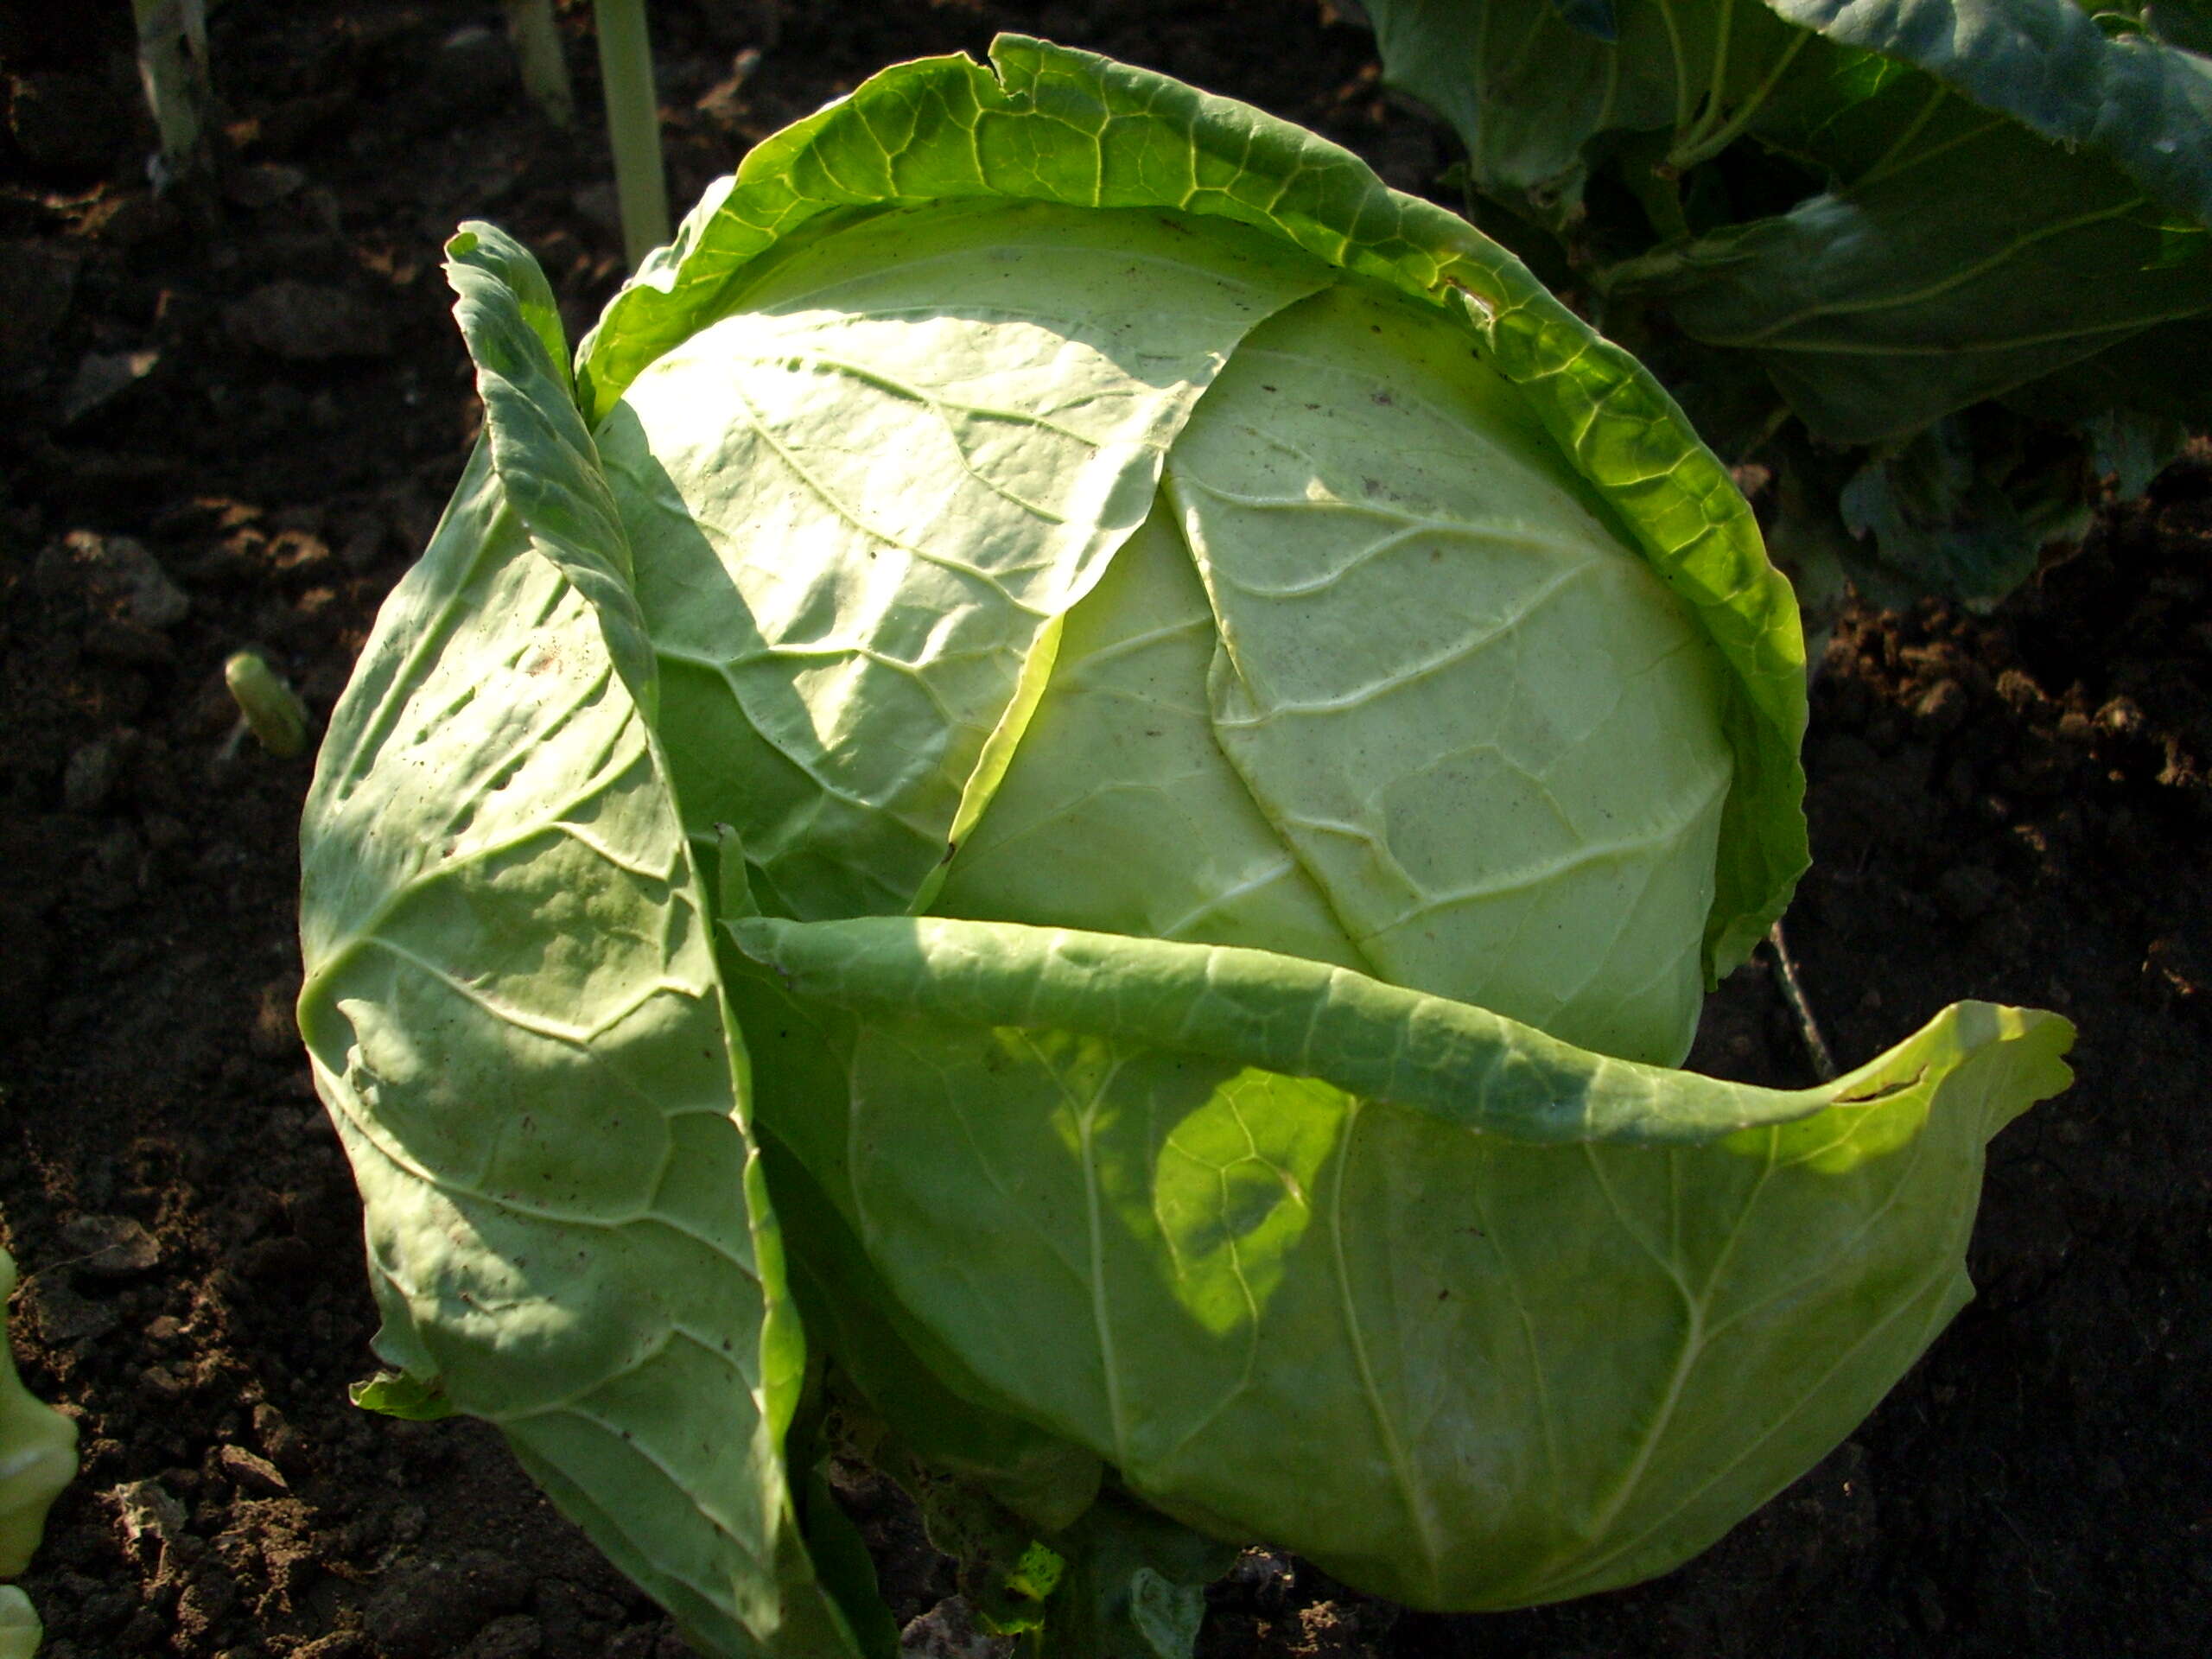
2160	371
842	1565
2132	449
1527	84
1136	1584
2046	63
1941	520
2184	23
1883	306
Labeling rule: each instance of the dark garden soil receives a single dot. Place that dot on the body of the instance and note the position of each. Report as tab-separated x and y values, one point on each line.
233	413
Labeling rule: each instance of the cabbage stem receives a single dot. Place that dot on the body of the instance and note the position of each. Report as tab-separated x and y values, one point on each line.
626	68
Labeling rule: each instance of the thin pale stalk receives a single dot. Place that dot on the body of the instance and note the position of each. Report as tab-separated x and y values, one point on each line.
1800	1007
1709	141
544	69
173	68
626	67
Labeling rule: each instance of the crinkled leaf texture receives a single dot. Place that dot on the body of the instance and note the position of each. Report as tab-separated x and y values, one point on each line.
514	1014
857	493
1058	126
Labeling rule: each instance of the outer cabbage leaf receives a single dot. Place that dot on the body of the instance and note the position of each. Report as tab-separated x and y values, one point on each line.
1962	252
546	461
1184	1201
1134	1586
1062	126
923	1392
514	1014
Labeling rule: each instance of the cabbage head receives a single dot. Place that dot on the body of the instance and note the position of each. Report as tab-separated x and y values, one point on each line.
1055	814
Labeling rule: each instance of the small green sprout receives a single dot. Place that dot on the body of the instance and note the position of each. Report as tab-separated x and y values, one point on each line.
172	67
400	1394
267	704
38	1458
19	1631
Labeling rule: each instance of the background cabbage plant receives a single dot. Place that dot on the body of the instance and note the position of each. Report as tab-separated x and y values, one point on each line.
1053	819
1941	266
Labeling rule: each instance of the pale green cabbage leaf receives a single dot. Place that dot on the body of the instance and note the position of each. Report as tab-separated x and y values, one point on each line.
1090	766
